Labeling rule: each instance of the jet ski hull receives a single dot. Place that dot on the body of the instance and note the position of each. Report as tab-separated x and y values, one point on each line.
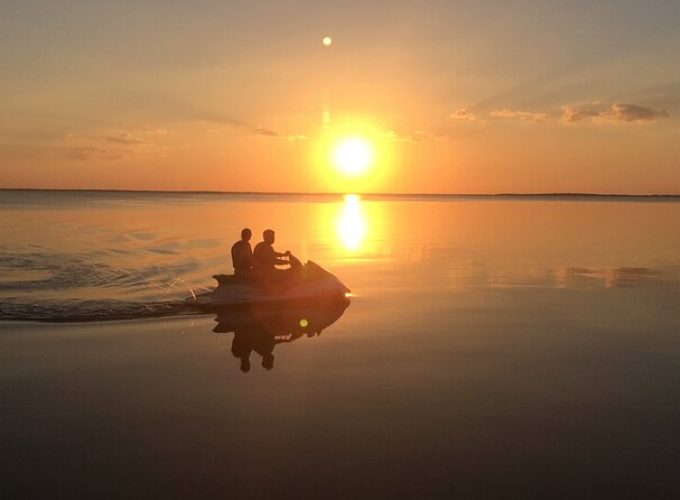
316	286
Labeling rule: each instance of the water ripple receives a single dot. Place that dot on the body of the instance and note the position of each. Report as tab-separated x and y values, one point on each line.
94	286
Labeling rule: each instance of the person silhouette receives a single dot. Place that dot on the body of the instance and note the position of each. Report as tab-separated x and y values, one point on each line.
242	255
265	260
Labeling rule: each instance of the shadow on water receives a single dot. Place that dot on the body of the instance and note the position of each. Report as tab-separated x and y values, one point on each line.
261	330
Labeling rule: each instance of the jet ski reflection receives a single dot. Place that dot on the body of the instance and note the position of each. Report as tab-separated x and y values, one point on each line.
260	330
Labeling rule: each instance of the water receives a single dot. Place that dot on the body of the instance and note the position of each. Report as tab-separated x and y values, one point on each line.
68	256
493	347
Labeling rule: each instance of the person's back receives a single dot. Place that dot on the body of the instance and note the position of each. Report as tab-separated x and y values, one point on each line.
242	254
264	257
265	260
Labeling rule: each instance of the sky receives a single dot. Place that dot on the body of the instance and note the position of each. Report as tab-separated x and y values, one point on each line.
453	96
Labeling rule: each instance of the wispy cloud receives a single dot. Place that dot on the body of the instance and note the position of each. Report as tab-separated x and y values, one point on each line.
87	153
416	136
155	131
127	139
525	116
110	145
634	113
265	132
598	111
463	115
575	114
617	112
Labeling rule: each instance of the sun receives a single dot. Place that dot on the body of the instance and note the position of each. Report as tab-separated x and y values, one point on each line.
353	156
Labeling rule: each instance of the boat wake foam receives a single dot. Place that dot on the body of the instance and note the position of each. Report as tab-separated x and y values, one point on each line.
67	311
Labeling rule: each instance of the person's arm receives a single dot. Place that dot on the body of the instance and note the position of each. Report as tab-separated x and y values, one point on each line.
279	261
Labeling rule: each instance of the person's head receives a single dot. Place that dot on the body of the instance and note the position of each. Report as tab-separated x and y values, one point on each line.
246	234
268	236
268	361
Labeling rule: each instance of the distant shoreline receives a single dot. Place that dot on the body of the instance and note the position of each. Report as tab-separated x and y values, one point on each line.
535	196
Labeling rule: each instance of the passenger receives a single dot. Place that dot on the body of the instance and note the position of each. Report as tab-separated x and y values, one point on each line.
242	255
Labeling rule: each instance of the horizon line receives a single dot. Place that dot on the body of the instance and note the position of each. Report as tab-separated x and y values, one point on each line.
340	193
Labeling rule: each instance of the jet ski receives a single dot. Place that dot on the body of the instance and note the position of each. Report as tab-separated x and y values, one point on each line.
311	284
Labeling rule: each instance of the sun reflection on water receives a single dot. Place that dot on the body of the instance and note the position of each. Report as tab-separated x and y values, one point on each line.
352	228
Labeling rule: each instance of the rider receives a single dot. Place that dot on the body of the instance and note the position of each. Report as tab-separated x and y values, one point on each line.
242	255
265	260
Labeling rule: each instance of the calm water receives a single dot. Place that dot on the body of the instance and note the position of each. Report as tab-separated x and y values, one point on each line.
492	348
102	256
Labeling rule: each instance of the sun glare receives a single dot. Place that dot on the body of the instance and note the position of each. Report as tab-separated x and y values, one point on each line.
353	156
352	223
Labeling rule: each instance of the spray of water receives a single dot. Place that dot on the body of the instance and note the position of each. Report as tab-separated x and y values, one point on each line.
180	280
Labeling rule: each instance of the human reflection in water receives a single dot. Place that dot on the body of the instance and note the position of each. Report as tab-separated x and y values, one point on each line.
261	330
254	339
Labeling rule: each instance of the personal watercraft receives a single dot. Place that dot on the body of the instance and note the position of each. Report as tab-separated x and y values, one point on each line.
310	284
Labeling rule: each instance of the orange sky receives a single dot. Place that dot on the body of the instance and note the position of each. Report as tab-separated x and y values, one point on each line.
455	97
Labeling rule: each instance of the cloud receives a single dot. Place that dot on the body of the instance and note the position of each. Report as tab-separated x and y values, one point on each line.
85	153
575	114
109	145
525	116
154	131
634	113
416	136
595	111
617	112
265	132
463	114
126	139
